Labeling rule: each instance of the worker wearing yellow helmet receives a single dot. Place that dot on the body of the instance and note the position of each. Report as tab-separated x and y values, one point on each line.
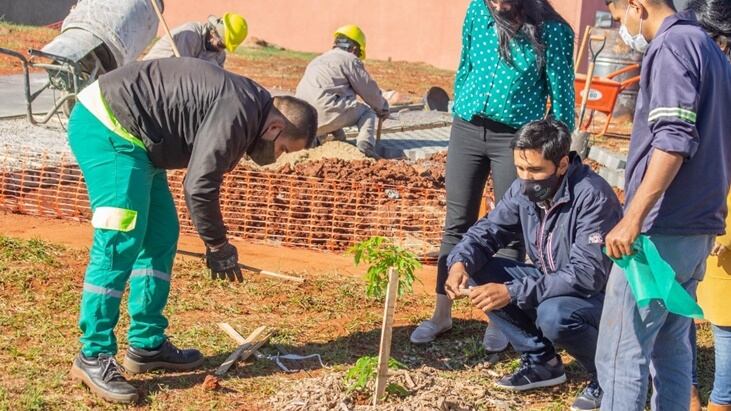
333	82
207	41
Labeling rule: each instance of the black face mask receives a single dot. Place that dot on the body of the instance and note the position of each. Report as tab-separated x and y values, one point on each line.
263	152
540	190
508	15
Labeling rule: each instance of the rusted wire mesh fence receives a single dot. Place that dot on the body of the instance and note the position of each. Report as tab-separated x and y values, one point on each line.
287	209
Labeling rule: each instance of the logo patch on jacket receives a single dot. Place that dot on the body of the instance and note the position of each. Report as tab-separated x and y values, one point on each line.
596	238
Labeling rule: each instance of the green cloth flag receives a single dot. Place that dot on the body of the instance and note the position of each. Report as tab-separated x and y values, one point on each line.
652	278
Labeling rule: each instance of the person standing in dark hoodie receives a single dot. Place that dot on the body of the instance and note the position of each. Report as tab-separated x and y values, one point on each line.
515	55
127	129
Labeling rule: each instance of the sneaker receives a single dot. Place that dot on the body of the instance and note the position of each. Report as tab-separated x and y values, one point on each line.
428	331
167	356
590	399
494	339
530	376
104	377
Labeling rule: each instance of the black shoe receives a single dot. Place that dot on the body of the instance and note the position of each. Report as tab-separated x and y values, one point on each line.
167	357
104	377
530	376
590	399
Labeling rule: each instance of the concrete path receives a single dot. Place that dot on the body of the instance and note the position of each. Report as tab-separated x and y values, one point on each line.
414	145
12	95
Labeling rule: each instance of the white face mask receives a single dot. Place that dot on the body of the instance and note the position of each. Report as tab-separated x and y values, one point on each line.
638	42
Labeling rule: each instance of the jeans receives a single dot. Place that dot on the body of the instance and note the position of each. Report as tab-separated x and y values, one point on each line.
476	149
639	343
569	322
721	393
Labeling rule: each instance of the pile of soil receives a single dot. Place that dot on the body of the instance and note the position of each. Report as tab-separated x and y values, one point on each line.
330	150
382	172
427	390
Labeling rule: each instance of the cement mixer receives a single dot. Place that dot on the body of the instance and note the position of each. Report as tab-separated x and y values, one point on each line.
96	37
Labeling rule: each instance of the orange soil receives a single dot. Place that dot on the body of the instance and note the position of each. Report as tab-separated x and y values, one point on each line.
278	259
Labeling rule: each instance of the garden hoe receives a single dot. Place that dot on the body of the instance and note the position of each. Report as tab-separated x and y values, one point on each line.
580	138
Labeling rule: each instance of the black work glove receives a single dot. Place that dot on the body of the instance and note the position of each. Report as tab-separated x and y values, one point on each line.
224	262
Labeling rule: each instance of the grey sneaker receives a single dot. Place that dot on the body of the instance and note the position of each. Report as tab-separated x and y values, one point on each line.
494	339
428	331
590	399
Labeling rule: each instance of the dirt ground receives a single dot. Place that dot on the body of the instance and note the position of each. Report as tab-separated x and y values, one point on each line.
274	68
42	263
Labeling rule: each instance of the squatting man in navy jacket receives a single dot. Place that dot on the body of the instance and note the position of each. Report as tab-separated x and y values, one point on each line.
563	210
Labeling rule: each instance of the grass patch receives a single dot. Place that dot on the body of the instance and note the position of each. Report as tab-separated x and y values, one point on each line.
32	251
40	290
268	53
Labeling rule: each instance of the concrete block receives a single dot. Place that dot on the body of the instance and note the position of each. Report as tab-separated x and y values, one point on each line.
615	178
608	158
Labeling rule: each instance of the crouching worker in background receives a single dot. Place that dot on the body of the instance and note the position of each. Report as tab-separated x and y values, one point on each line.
334	81
127	129
563	209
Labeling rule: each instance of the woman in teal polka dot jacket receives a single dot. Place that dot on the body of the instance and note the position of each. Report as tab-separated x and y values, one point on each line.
515	55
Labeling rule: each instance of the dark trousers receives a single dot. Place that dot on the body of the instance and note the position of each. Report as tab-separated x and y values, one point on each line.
476	149
568	322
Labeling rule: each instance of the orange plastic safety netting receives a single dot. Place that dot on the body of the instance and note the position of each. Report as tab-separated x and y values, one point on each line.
329	205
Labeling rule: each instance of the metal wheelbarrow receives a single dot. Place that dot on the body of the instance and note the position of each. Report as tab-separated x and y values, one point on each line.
96	37
603	94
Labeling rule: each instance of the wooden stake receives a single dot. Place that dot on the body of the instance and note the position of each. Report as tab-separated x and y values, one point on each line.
384	353
231	332
379	129
165	27
247	346
263	273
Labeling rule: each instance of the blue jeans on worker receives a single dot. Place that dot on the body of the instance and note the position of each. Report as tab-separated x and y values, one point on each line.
721	394
641	342
568	322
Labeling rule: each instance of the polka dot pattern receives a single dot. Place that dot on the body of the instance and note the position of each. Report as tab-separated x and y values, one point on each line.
514	94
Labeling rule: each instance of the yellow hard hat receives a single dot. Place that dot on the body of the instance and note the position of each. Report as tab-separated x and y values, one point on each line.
354	33
235	30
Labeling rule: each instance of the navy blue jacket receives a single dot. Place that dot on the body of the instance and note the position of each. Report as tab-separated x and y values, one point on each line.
565	242
683	108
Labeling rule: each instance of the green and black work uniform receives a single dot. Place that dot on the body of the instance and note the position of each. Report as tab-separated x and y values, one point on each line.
128	128
493	99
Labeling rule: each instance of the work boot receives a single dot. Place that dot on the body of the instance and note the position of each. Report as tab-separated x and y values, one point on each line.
104	377
695	399
494	340
439	323
590	399
718	407
166	356
368	150
530	376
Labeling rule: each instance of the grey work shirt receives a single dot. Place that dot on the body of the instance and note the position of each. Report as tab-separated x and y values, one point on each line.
333	81
190	114
191	41
682	107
